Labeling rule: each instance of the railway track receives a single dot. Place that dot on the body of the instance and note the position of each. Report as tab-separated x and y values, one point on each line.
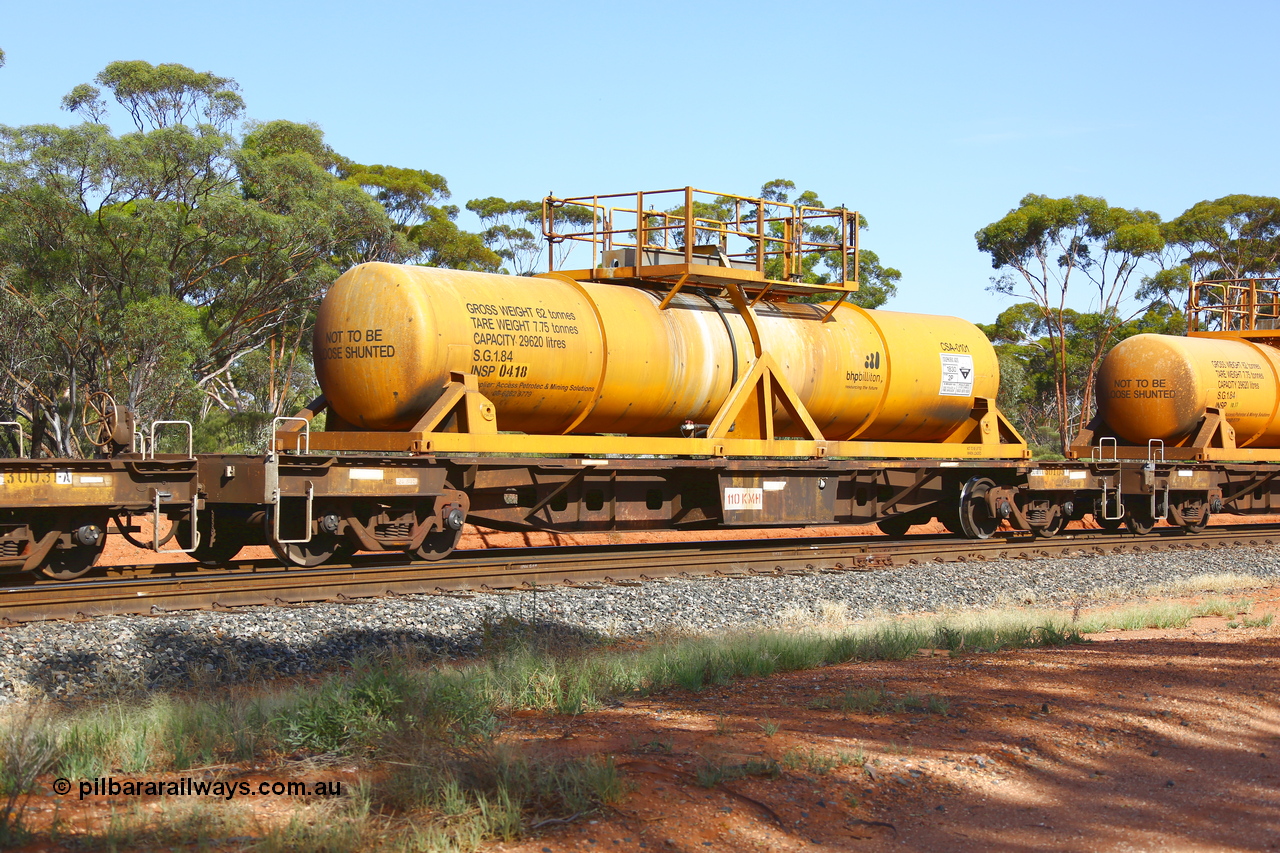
167	587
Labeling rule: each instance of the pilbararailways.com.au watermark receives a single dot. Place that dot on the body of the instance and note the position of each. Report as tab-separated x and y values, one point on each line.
108	786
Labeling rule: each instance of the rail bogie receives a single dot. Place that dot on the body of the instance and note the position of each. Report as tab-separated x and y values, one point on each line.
312	509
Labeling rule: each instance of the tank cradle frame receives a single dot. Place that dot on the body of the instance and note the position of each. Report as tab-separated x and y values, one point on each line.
1214	440
464	421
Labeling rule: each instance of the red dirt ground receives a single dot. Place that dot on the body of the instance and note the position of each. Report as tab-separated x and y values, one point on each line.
1148	740
1141	740
1162	740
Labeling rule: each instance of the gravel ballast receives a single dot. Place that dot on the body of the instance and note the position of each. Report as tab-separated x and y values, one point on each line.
108	655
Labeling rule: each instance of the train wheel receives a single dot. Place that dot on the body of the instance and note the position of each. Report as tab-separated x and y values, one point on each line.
897	525
976	520
65	564
438	544
447	516
322	547
1139	523
305	555
220	539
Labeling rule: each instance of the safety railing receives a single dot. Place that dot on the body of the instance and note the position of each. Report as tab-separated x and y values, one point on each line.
302	437
143	442
687	225
1234	305
152	437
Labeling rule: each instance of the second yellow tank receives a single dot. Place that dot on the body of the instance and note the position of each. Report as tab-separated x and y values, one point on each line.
1158	387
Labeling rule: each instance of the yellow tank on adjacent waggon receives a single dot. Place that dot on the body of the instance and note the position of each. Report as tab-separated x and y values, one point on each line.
1211	395
1160	387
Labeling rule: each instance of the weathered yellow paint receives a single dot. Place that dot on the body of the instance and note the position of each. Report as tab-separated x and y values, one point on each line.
1159	386
558	356
51	487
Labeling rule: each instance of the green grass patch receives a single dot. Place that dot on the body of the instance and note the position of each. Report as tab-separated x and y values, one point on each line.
709	773
1161	615
28	749
1224	607
173	824
821	763
870	700
467	795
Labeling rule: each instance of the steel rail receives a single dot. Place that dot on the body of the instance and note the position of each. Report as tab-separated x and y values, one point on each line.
167	587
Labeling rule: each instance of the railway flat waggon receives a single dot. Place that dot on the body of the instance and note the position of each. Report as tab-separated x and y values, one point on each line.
691	376
670	384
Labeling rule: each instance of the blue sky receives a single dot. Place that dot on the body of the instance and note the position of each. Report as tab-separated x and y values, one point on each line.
933	119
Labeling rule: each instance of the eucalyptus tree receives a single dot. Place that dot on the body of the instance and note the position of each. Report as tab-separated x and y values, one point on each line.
415	201
513	229
1233	237
1029	368
1236	236
155	263
508	231
1046	247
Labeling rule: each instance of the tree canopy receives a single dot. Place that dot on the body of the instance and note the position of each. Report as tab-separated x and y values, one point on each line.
1236	236
1046	246
1054	252
221	233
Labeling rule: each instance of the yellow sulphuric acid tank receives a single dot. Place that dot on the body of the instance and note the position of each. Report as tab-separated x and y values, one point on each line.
1158	387
560	356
